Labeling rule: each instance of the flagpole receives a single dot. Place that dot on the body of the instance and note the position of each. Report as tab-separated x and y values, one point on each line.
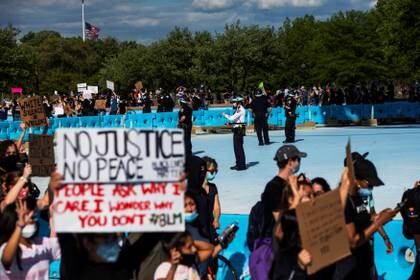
83	20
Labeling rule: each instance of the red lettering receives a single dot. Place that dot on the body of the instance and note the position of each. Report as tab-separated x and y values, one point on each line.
76	206
123	220
163	205
98	208
84	190
154	188
177	189
129	205
123	191
93	221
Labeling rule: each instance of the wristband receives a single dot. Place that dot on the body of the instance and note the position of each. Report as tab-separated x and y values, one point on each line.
20	226
23	178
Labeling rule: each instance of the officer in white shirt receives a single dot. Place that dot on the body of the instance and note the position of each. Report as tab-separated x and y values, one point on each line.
237	120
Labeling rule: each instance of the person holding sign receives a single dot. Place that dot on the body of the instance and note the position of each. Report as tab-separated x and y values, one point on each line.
359	224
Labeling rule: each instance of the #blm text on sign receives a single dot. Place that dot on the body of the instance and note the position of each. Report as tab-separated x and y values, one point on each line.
146	207
322	230
110	156
32	111
41	154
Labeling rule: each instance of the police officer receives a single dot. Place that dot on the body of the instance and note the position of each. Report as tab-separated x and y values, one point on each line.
146	102
185	122
261	108
238	122
290	111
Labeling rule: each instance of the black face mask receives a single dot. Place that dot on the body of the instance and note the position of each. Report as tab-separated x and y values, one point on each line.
188	260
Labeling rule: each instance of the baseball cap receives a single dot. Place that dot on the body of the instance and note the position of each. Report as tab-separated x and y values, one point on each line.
365	169
288	151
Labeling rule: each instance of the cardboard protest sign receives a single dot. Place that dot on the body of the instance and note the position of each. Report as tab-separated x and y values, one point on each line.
110	85
41	154
148	207
139	85
32	111
350	165
100	104
96	155
323	231
93	89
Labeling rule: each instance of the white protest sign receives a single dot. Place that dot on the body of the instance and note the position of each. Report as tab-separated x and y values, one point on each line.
150	207
110	85
81	87
87	94
97	155
93	89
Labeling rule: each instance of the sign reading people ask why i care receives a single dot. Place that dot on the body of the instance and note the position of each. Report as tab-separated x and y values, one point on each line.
119	180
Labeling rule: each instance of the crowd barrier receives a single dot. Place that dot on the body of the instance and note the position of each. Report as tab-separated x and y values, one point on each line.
320	115
392	266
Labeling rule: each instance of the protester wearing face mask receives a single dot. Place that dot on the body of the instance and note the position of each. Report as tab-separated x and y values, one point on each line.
360	226
290	259
100	256
182	256
14	187
22	255
205	249
212	195
288	159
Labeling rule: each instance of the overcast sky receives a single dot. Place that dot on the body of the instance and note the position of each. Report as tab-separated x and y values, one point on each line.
149	20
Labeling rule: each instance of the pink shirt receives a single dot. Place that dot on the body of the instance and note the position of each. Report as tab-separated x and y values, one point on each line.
35	261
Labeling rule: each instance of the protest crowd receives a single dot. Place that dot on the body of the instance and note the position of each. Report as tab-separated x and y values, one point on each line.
33	233
70	104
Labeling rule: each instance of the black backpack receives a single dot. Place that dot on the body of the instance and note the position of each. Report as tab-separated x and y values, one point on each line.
410	212
257	225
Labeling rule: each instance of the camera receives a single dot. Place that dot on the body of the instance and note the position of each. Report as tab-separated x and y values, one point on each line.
222	239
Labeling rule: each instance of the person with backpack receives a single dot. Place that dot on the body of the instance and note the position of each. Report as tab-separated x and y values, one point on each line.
410	212
266	212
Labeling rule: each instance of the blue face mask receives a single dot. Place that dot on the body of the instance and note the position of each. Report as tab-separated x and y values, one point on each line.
365	192
211	176
109	251
190	217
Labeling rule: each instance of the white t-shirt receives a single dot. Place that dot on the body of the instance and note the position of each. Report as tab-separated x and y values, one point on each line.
35	261
58	110
182	272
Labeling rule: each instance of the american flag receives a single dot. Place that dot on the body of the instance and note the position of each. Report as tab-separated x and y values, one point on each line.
91	31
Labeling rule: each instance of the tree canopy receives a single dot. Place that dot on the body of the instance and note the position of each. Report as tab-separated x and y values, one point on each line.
382	44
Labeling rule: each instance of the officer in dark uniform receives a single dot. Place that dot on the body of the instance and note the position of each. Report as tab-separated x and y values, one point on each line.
237	120
168	103
290	111
261	108
146	102
185	122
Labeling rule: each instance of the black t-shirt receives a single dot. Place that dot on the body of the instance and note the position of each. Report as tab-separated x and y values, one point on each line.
272	196
272	199
123	107
260	105
357	211
291	103
187	112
